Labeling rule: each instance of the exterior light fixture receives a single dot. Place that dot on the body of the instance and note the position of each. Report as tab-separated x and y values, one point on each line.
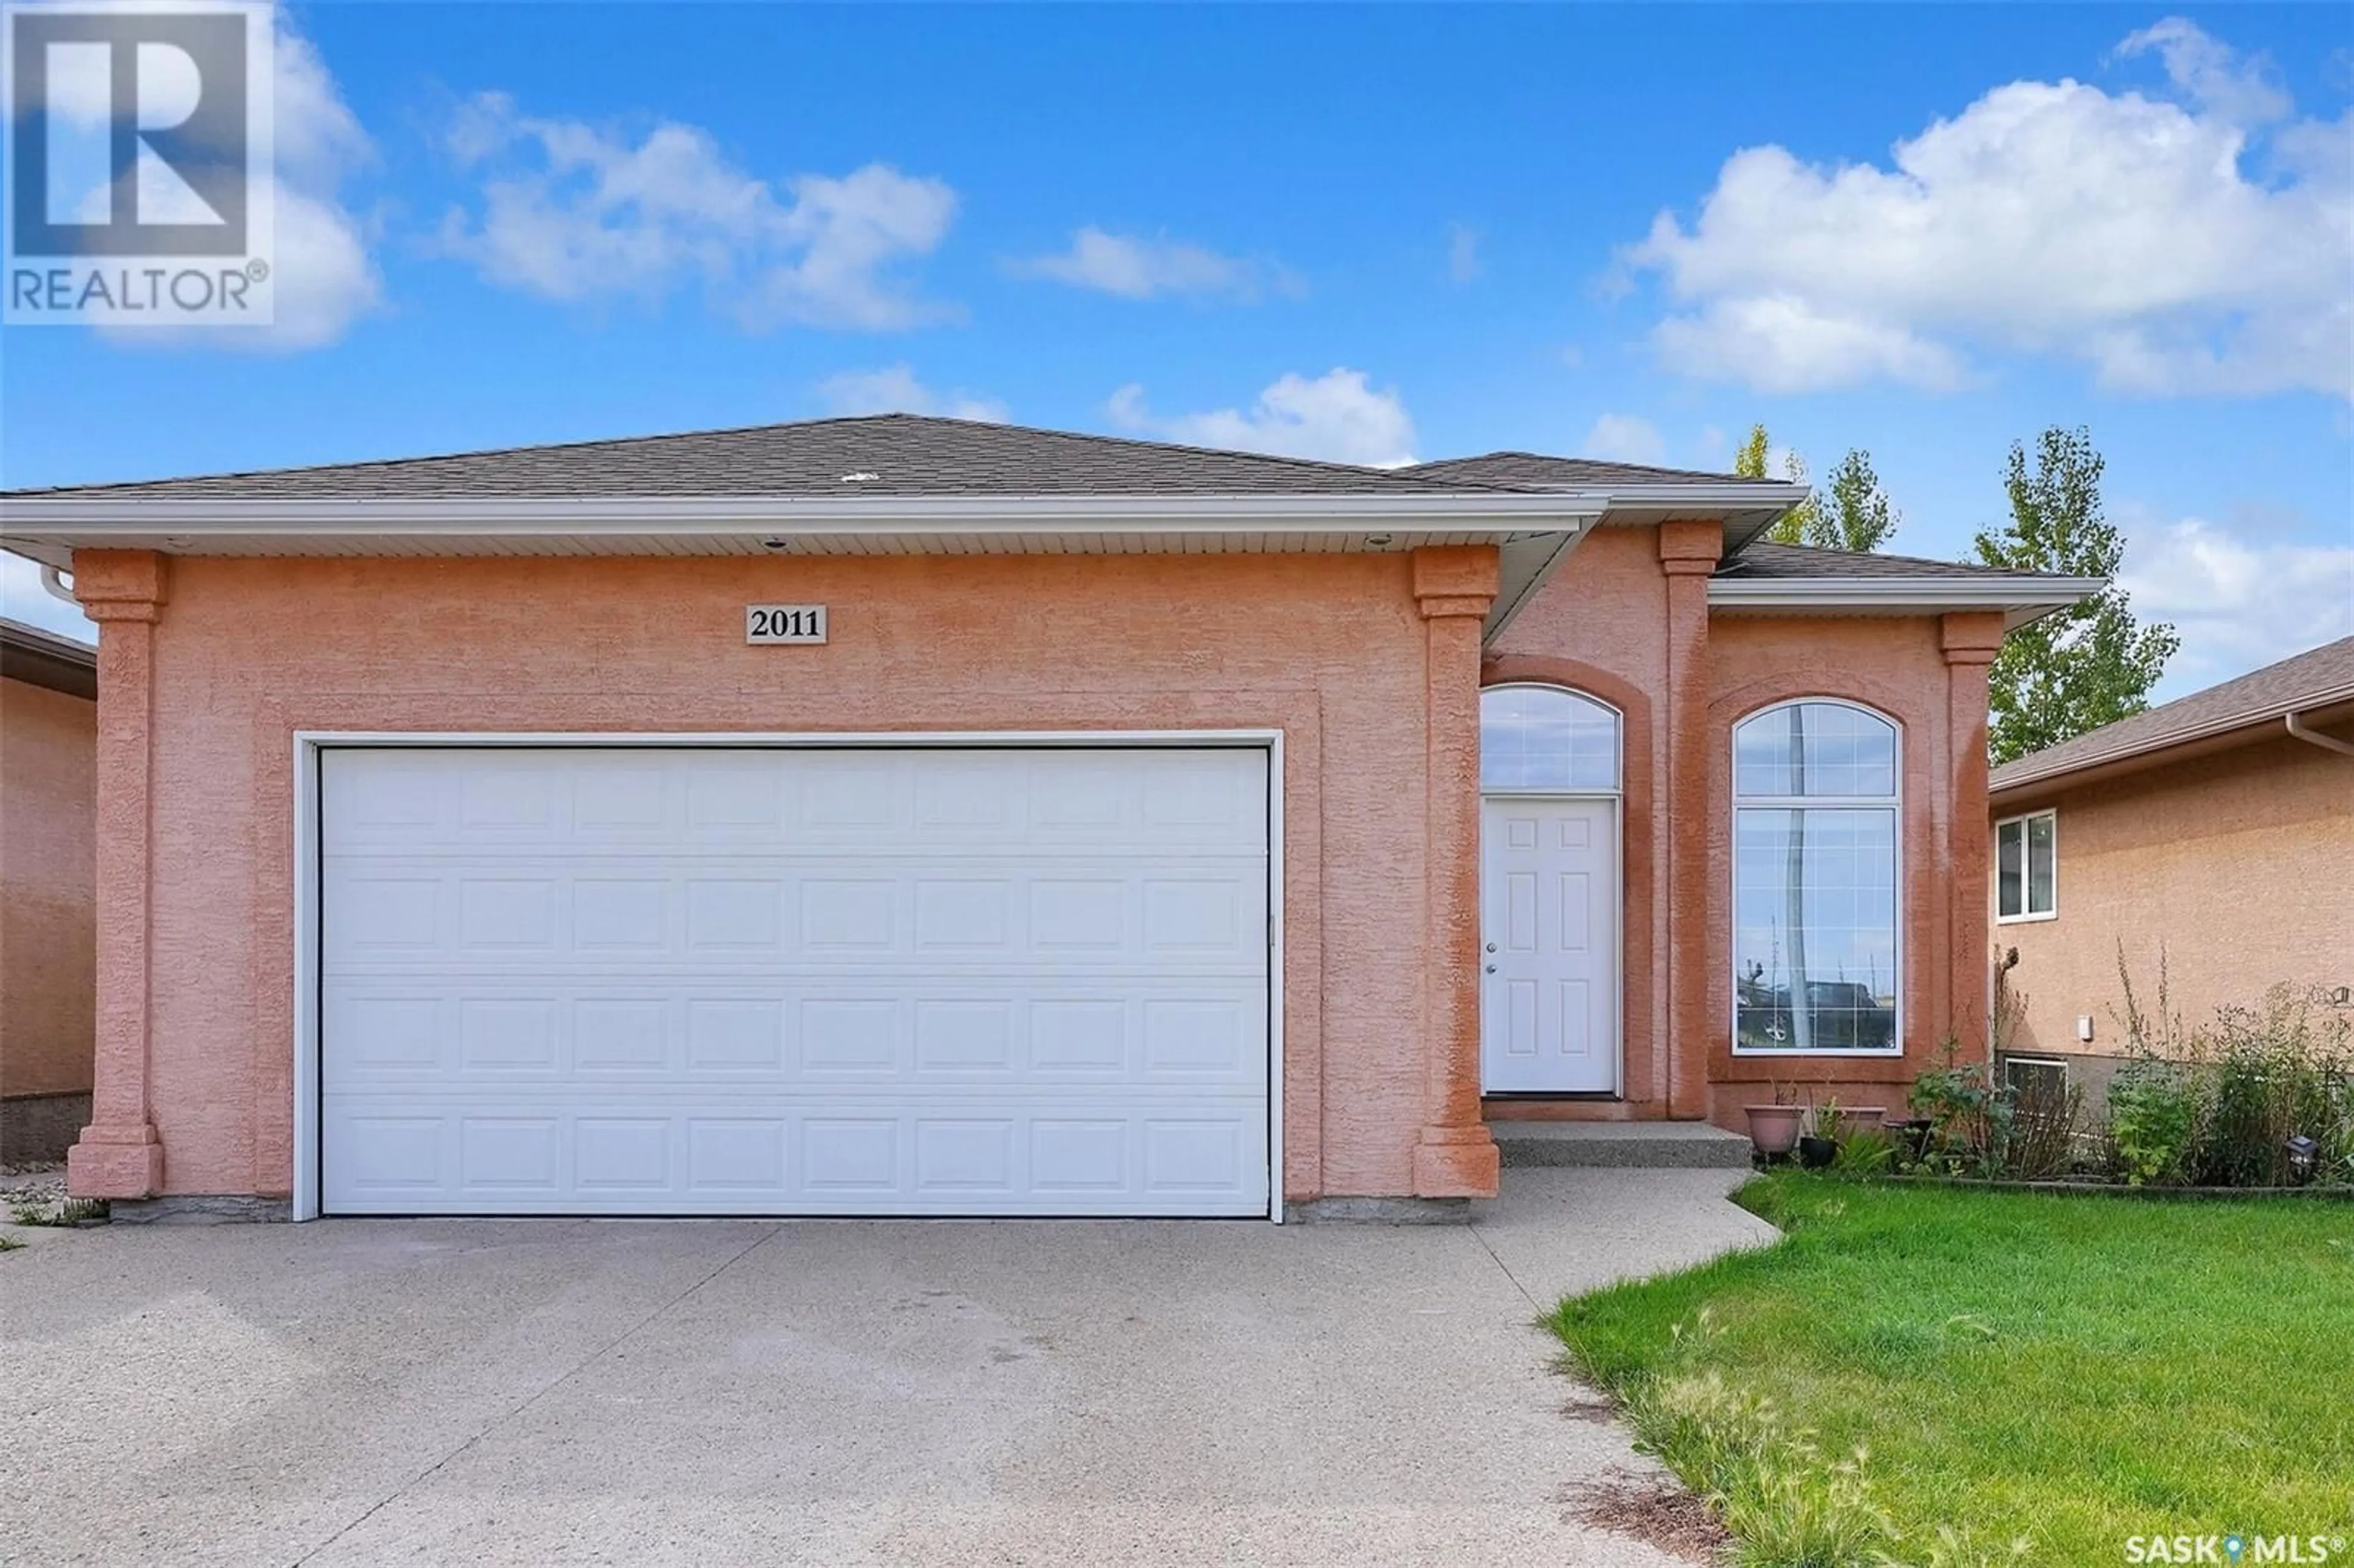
2302	1151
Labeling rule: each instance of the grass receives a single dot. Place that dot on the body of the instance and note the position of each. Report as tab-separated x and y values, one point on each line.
2075	1371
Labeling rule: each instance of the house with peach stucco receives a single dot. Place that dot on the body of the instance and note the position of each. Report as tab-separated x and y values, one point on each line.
908	816
49	732
2211	837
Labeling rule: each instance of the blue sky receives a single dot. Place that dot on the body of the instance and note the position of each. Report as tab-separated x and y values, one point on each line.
1363	234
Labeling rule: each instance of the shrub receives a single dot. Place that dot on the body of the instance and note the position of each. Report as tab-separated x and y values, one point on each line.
2279	1070
2154	1117
1969	1115
2043	1134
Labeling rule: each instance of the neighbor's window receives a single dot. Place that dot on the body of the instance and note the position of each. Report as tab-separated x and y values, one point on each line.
2026	868
1542	739
1814	880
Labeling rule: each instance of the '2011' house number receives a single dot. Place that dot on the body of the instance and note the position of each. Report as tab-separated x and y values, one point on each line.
784	623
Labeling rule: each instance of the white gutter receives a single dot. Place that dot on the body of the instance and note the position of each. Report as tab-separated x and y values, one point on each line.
2314	737
2021	601
54	581
1909	593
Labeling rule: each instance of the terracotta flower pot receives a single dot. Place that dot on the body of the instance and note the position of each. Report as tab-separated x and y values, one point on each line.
1853	1119
1774	1129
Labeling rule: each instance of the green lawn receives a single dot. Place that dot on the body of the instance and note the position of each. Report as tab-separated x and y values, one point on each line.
2078	1370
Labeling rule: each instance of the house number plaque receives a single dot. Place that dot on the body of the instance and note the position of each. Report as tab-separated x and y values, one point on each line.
784	623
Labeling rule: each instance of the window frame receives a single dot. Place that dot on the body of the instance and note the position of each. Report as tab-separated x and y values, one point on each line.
1892	803
1618	789
2027	912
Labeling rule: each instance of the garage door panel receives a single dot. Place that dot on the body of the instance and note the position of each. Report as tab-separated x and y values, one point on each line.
443	909
875	1156
921	981
759	1036
720	799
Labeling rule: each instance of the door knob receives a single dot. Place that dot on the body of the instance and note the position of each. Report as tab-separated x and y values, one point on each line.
1491	969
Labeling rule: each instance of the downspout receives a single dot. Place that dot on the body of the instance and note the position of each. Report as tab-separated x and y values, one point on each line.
2315	738
55	581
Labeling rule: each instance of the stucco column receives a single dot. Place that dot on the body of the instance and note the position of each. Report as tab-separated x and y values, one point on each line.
1454	1155
120	1155
1970	639
1688	555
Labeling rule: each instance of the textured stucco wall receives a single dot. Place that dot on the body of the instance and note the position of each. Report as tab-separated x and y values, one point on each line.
1900	666
2239	865
1332	650
47	933
1601	625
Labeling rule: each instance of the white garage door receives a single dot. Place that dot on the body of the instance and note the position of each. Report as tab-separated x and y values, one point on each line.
749	981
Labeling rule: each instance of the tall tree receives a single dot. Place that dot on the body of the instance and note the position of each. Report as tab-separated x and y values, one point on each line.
1859	516
1792	526
2080	667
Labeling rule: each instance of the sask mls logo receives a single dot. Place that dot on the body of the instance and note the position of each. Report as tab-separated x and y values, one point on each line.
139	184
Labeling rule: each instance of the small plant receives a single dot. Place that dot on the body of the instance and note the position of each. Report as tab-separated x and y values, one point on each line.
2043	1134
1864	1153
2153	1120
36	1210
1827	1119
1969	1115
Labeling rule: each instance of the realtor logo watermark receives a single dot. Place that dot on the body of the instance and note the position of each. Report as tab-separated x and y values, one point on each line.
139	184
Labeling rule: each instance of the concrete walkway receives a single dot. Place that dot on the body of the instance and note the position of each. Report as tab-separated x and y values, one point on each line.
361	1391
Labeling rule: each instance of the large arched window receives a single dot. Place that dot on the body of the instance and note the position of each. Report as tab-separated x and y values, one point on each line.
1545	740
1815	916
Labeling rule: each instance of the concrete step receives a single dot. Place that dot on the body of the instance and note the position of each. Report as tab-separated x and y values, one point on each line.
1683	1145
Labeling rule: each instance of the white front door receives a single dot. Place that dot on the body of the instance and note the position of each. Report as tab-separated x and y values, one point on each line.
775	981
1549	945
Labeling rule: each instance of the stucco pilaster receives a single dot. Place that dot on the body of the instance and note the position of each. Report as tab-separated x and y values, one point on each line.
119	1154
1687	555
1970	640
1454	1155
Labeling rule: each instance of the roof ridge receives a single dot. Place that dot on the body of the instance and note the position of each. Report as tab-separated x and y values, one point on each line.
1403	475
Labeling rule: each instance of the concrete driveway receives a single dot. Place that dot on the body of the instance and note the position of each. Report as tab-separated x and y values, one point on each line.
636	1393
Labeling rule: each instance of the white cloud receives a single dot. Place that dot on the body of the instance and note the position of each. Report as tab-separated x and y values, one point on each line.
326	277
22	598
2240	603
2206	71
1623	437
894	389
574	212
2172	243
1463	263
1336	417
1139	269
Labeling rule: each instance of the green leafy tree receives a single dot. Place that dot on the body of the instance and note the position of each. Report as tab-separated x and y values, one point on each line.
1792	526
1856	516
2086	666
1859	516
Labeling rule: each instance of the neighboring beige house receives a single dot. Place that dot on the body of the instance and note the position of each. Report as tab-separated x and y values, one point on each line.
48	734
2217	830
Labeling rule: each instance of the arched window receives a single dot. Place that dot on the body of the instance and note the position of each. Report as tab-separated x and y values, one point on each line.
1815	918
1545	740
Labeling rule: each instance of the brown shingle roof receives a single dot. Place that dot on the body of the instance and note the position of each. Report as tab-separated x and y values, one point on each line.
1764	559
1535	471
2322	677
904	454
